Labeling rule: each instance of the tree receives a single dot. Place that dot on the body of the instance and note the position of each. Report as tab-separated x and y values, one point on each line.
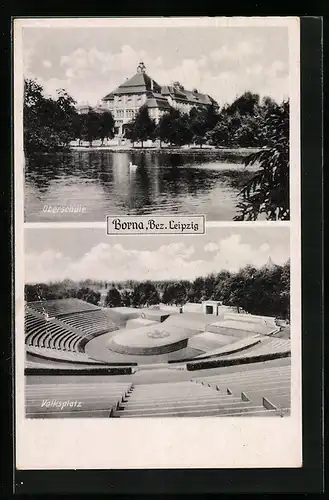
183	133
78	126
201	122
175	293
130	132
220	280
91	126
143	126
145	293
174	128
267	192
64	115
126	298
163	128
106	126
47	122
221	134
246	104
113	298
88	295
196	293
285	291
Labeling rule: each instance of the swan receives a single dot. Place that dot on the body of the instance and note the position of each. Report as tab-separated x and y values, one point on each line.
132	167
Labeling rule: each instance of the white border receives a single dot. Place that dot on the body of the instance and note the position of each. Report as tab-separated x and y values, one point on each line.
168	443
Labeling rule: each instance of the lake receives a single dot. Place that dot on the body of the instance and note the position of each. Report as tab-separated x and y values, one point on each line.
102	182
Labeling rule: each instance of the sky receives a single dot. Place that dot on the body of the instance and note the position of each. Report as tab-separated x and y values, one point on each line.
220	61
56	254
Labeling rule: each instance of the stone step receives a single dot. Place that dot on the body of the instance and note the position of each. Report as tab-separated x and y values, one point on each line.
185	402
157	402
184	407
179	397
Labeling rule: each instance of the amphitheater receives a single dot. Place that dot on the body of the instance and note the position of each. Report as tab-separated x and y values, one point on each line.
86	361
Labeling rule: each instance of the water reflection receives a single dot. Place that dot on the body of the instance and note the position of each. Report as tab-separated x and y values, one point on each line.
103	182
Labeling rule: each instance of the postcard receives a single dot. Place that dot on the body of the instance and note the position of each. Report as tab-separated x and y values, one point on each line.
157	254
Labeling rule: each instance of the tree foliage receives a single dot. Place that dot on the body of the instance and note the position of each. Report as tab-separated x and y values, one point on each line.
142	127
202	121
145	294
50	124
89	295
113	298
47	122
267	192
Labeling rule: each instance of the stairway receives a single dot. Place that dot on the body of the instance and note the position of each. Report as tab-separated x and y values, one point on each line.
184	399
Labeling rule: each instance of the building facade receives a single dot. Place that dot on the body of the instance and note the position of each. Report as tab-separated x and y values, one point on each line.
125	101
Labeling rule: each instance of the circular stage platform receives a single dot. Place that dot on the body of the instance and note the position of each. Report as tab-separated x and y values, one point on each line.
147	341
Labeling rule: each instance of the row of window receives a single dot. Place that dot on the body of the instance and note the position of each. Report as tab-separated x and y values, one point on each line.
127	112
128	99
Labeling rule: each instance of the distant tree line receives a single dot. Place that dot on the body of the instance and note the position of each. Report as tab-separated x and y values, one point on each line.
263	291
248	122
62	290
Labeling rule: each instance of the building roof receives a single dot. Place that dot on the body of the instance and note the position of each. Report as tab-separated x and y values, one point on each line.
153	102
139	83
189	96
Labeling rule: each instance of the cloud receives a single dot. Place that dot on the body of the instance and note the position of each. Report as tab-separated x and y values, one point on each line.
47	64
256	69
223	66
277	69
239	51
211	247
176	260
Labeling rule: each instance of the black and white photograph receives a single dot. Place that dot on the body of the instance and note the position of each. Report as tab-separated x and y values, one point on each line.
153	120
157	243
206	334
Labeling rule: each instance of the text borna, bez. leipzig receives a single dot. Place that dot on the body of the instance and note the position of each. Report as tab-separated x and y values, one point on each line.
153	225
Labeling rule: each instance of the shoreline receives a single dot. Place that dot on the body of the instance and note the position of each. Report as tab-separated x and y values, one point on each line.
202	151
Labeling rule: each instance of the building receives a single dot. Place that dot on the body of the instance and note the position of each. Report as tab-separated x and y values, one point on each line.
125	101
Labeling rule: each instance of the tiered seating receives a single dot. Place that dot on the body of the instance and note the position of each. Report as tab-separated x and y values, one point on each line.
267	346
268	321
45	364
74	400
184	399
242	325
208	341
272	383
56	338
58	355
40	332
54	308
241	345
238	329
90	322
